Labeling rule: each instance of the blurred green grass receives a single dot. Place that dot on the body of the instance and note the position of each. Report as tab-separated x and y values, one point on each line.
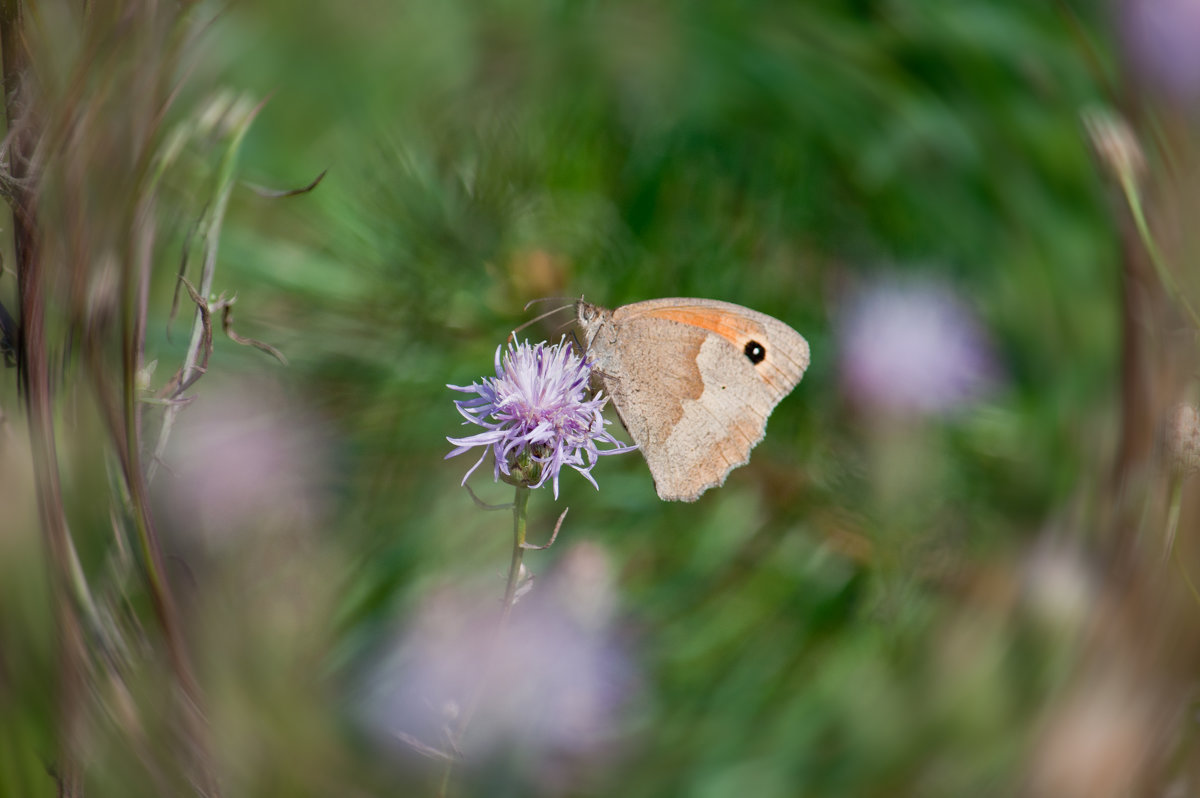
773	154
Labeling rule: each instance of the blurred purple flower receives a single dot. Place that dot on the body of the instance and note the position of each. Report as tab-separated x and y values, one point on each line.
552	682
1160	39
536	416
245	457
913	348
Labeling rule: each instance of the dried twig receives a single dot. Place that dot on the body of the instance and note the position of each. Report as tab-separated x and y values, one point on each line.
186	249
269	193
227	326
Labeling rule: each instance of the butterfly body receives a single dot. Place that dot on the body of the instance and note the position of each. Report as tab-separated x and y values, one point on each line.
693	381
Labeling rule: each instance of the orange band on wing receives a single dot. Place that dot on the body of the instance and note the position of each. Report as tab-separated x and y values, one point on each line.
732	328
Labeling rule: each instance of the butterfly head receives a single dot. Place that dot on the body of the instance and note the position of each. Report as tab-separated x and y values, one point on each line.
590	317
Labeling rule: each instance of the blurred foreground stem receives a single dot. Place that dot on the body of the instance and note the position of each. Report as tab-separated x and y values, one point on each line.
520	513
1175	503
243	112
39	166
34	375
1134	199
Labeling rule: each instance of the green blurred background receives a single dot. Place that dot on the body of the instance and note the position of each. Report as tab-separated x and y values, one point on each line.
856	612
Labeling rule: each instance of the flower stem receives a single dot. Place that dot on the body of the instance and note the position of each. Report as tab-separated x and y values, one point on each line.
520	505
1174	505
1164	272
520	513
1172	527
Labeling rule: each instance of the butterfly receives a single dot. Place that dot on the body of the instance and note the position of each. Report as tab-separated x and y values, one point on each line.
693	381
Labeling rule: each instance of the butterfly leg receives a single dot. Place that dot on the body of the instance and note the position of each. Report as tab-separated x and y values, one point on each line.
576	343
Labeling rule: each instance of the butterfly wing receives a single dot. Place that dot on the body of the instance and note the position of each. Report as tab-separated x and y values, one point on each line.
694	381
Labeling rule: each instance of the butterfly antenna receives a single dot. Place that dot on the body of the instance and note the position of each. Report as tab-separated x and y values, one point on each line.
536	319
533	302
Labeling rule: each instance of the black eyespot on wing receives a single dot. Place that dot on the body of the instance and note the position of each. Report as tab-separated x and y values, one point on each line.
755	352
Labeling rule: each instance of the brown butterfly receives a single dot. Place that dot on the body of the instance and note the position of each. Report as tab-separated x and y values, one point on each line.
693	381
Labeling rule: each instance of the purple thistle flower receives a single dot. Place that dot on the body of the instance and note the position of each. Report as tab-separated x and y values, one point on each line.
914	348
535	416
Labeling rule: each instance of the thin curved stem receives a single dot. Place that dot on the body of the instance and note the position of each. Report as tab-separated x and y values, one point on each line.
1133	198
520	507
1172	527
553	535
1175	502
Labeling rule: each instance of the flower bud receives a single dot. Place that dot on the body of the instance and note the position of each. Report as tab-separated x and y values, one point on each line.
1116	146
